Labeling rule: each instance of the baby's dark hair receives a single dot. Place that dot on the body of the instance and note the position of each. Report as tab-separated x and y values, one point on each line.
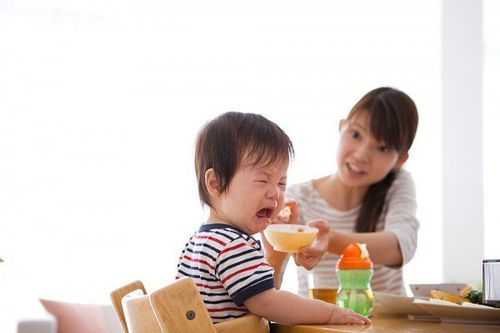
223	142
393	120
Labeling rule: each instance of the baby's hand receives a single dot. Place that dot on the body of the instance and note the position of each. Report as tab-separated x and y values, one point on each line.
347	316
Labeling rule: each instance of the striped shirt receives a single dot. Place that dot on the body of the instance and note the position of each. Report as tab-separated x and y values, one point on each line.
228	267
398	217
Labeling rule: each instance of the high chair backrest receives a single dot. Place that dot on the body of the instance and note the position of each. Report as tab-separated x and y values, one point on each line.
135	313
176	308
179	308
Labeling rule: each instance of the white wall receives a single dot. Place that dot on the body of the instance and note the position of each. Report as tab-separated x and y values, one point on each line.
462	61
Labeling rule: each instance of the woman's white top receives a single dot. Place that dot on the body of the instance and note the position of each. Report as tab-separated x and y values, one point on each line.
398	217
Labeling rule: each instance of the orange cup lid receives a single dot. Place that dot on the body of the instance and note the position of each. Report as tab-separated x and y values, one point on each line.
355	256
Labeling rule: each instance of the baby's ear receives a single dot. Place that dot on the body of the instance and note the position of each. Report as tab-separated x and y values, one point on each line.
212	182
342	122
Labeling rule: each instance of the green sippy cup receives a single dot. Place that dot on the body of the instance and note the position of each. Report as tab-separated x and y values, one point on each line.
354	273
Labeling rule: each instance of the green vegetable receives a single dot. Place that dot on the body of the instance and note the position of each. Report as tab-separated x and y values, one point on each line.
475	296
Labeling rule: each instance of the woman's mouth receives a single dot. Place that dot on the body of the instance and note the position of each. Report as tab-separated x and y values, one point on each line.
355	169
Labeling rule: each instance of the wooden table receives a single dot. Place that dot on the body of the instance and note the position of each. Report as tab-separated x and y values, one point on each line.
389	324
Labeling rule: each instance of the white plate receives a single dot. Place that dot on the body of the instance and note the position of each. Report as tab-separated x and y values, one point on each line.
469	313
424	289
398	305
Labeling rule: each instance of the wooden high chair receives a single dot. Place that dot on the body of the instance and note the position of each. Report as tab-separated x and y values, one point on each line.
135	312
176	308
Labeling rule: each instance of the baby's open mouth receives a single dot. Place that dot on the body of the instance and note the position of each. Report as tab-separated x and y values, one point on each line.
265	212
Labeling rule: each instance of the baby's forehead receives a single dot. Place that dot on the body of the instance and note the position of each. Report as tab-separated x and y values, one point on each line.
268	165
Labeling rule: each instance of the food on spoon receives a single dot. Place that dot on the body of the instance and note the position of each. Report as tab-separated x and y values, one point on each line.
285	213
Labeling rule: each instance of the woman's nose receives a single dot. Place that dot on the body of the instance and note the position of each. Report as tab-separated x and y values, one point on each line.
362	153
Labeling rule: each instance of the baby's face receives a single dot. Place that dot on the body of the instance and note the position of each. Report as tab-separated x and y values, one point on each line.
254	197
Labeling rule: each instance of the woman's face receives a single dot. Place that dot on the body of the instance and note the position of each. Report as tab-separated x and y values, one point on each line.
361	159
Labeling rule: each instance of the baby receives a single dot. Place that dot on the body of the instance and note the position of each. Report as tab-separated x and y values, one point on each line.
241	163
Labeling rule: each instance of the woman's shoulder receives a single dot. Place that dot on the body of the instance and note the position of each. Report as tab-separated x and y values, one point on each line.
301	189
403	183
403	177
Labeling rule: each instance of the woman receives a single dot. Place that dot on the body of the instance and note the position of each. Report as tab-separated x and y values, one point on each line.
369	199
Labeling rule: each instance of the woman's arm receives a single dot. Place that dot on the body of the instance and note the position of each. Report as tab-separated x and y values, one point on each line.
383	246
277	260
397	243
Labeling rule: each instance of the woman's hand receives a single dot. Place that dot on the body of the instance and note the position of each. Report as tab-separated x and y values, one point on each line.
310	256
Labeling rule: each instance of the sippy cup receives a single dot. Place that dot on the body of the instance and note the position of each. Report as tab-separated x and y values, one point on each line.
354	273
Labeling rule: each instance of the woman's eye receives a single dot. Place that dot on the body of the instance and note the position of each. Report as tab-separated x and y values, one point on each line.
383	149
282	184
354	134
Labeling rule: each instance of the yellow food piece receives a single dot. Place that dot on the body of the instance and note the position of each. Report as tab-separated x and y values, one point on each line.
437	294
464	293
285	213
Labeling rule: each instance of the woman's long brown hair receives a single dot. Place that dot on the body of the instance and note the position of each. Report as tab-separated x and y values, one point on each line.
393	120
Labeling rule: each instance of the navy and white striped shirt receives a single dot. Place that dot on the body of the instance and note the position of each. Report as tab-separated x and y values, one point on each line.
228	267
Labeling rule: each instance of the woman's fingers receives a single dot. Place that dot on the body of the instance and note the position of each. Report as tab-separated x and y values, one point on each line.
310	256
321	225
320	245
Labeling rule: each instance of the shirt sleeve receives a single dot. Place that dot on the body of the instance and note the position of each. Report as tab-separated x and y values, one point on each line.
243	270
400	216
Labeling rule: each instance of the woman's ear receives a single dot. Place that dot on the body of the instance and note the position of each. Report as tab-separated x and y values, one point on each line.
401	160
212	183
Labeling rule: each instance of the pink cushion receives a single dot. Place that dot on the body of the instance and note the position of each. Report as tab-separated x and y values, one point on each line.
76	318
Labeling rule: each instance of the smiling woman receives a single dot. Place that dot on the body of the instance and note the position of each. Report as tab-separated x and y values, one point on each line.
92	159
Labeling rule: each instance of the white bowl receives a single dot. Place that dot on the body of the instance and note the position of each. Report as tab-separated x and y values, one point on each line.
290	237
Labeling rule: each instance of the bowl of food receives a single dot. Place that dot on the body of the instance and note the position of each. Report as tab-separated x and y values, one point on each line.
290	237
